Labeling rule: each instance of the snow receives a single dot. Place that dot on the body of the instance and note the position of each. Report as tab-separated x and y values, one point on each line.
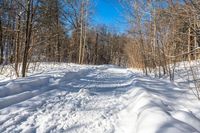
95	99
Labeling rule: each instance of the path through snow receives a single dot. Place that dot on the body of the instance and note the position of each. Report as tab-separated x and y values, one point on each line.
96	99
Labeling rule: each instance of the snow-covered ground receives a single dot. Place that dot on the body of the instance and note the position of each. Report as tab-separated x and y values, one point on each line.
95	99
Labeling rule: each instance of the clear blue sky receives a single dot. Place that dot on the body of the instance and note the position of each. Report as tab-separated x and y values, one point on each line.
109	12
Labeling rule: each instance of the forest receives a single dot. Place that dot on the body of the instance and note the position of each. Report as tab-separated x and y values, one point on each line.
55	31
160	33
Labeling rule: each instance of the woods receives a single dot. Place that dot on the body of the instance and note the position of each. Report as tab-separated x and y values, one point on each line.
164	33
55	31
160	34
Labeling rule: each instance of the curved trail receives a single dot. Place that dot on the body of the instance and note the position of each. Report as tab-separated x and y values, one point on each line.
94	99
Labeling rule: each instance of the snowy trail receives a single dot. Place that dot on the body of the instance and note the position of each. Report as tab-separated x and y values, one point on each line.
96	99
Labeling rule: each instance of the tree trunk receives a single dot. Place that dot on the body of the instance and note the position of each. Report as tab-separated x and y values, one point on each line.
17	47
1	42
96	49
28	36
58	35
85	30
189	44
81	34
195	37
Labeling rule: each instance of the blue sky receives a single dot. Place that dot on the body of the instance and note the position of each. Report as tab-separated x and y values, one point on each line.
109	12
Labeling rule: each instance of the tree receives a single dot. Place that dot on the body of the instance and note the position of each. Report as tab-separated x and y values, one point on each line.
29	23
1	41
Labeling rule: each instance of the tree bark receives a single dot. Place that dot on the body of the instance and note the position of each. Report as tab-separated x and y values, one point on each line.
96	49
17	46
81	35
189	44
1	42
28	36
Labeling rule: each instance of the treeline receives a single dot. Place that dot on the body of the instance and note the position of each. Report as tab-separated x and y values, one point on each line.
162	33
55	31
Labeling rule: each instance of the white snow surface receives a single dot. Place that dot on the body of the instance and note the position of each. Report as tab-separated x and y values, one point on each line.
70	98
